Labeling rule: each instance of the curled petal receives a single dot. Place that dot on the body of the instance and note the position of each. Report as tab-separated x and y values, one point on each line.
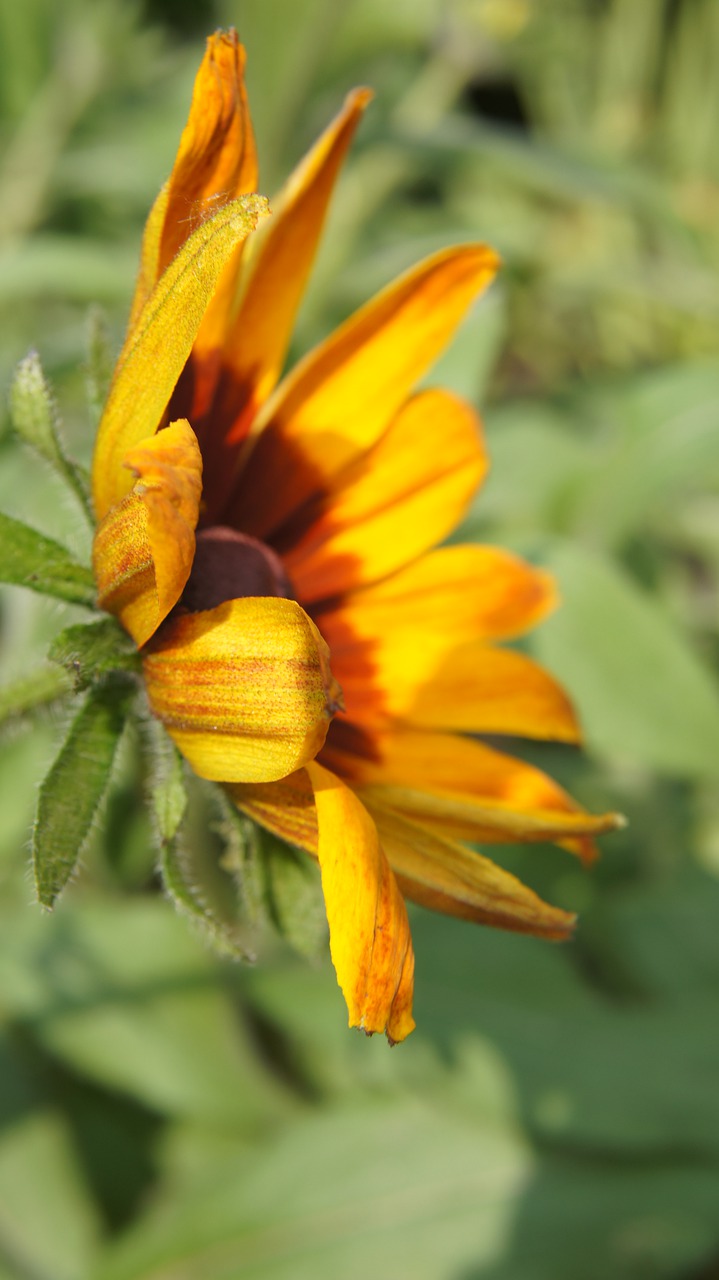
390	506
159	343
143	549
338	401
369	932
244	689
445	876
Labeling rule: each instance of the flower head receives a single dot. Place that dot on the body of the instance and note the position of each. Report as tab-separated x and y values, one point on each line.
268	543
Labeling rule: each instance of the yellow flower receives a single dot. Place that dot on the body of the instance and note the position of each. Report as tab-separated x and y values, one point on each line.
268	542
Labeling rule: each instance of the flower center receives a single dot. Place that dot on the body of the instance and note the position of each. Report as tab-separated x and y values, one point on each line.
229	565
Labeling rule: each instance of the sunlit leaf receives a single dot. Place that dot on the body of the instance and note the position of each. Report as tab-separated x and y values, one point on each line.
29	559
75	786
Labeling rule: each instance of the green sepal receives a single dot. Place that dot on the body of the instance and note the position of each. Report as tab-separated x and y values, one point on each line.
293	895
42	688
279	885
91	650
193	869
76	785
35	417
29	559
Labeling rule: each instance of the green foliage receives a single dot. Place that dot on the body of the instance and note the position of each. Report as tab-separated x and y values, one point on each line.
91	650
75	786
29	559
35	418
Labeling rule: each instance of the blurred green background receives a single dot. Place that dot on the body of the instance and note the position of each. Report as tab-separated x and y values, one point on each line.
166	1115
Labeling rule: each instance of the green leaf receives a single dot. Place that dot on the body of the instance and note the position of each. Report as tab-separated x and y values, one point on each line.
75	786
642	695
194	872
35	417
29	559
396	1189
41	688
90	650
293	892
124	994
169	791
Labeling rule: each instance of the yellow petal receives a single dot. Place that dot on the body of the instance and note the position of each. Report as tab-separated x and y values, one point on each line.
159	344
390	506
444	876
144	547
369	932
286	807
451	596
244	689
492	822
216	160
281	255
430	676
339	400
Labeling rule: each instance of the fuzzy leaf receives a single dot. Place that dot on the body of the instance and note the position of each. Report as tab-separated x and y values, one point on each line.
75	786
36	420
293	893
40	688
94	649
191	863
29	559
169	792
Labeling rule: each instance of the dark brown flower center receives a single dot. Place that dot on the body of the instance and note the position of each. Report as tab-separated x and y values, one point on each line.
229	565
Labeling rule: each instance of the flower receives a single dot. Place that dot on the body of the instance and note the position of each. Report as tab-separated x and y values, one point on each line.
268	543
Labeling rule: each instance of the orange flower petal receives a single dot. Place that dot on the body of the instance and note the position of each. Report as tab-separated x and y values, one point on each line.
444	876
286	807
144	547
370	940
244	689
508	793
159	343
393	504
280	257
449	596
491	822
473	688
339	400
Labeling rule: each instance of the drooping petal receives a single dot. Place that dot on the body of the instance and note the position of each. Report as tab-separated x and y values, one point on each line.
244	689
370	940
494	823
490	796
339	400
144	547
445	876
387	508
286	807
216	161
159	343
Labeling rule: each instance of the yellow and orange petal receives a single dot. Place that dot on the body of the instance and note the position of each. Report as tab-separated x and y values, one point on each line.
244	689
144	547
